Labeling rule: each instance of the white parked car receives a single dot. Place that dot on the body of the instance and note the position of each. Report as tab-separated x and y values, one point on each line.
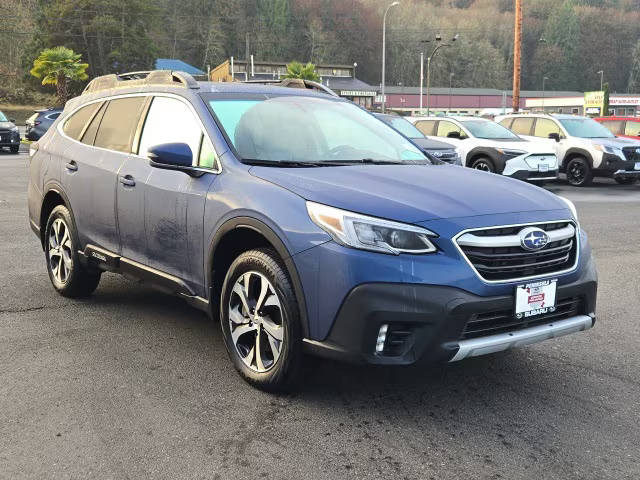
486	145
585	148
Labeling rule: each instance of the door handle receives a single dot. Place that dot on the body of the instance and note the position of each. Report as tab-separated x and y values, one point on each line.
71	166
127	180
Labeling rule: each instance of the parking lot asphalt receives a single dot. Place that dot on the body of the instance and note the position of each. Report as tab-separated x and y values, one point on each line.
135	384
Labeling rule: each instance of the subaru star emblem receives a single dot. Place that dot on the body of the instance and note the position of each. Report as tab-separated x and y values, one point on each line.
533	238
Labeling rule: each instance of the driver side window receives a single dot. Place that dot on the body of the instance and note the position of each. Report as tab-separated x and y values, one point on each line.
170	121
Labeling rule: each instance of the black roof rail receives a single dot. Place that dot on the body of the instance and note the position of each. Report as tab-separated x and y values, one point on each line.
296	83
151	77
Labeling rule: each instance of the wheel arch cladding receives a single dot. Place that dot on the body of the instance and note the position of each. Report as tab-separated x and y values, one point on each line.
576	152
51	200
489	152
238	235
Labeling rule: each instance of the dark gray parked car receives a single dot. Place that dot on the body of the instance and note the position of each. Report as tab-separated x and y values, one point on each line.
40	121
9	134
445	152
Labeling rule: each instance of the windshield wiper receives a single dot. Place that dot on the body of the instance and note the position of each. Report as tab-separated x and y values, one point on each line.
370	161
285	163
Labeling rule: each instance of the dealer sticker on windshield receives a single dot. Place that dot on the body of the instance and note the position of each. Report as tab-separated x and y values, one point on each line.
536	298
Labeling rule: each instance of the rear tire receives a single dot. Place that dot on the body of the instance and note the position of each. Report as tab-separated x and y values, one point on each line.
484	164
625	180
68	276
579	172
261	321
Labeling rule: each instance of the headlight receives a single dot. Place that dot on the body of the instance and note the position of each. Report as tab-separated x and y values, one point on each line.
458	160
510	153
608	149
571	206
370	233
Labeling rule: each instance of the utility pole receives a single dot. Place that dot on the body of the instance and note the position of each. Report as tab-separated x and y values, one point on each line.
544	79
517	58
421	78
246	46
601	73
451	75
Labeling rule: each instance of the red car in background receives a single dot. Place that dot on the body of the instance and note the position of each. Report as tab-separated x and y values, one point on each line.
628	127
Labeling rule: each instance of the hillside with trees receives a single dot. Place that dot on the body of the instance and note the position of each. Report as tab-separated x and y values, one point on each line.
566	40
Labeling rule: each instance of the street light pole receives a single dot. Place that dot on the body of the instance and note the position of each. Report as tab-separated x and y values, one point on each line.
384	47
601	73
435	50
451	75
421	78
544	79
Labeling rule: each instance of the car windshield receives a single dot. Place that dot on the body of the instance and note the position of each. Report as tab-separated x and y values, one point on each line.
585	128
3	118
488	130
304	129
404	126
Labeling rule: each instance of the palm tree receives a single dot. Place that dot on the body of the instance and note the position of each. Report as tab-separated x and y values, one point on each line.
305	72
56	66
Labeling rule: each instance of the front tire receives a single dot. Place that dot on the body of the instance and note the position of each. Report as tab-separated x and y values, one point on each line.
484	164
261	321
579	172
66	273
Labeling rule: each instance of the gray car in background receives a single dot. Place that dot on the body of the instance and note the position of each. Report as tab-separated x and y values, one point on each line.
38	123
9	134
445	152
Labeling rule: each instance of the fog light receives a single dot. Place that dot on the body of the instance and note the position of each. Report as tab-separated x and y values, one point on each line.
382	336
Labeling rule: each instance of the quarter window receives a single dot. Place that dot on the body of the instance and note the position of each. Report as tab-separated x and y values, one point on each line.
170	121
74	126
522	125
544	127
90	133
208	157
426	126
119	123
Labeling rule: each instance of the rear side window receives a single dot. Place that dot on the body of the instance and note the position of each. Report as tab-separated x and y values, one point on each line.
428	127
170	121
522	126
90	133
616	126
119	123
632	129
74	126
544	127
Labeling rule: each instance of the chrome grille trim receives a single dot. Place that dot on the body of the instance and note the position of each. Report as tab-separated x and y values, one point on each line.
571	223
471	240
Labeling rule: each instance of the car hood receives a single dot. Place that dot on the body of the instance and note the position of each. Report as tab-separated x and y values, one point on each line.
6	125
428	144
616	142
530	146
411	193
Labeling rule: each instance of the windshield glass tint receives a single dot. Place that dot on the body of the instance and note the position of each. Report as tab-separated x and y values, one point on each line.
3	118
405	127
585	128
308	129
488	130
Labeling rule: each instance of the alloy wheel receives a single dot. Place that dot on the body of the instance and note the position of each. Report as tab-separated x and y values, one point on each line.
255	321
577	172
482	165
60	251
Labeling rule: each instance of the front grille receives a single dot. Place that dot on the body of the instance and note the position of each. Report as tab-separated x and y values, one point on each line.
495	260
631	153
502	321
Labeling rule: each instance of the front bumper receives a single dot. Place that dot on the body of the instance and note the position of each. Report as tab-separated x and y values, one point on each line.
614	166
9	139
426	323
532	167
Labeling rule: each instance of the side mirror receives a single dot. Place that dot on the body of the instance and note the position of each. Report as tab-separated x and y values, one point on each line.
171	156
454	135
554	136
12	120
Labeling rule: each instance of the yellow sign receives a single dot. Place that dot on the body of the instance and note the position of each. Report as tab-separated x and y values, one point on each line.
594	103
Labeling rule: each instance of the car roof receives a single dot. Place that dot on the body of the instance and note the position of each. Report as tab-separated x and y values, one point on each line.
632	119
457	118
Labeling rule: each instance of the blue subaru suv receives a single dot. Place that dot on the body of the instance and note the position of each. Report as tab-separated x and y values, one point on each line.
304	224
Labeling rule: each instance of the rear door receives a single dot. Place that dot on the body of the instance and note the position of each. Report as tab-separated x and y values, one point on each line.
173	200
89	176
